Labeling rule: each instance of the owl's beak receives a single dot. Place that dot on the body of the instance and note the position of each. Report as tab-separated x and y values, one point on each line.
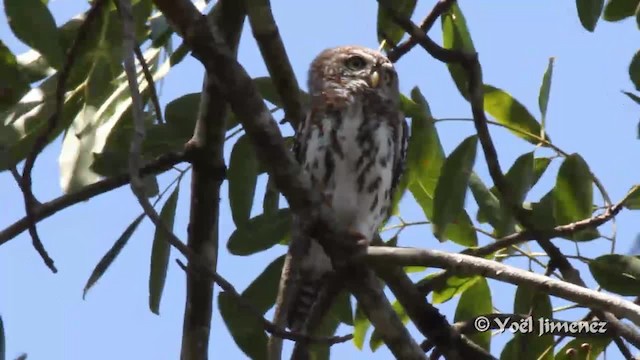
375	78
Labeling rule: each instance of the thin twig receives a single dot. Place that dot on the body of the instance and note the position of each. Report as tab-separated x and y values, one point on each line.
52	122
151	83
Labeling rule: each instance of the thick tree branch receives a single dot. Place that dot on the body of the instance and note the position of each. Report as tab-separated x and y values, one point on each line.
207	144
469	265
240	92
275	57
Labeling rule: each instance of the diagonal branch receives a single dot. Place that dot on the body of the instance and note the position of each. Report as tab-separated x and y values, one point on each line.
275	57
207	145
470	265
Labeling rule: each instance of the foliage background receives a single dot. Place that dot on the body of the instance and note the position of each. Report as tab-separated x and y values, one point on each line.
44	314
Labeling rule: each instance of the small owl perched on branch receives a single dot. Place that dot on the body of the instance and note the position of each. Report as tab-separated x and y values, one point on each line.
353	145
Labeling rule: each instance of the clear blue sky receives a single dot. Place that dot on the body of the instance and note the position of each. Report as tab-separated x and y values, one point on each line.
44	314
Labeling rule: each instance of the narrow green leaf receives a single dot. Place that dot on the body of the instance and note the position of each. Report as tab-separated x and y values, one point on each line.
450	192
589	12
455	35
638	16
387	28
33	24
270	203
634	70
263	290
617	273
633	97
242	176
596	346
537	304
260	233
617	10
475	301
14	82
245	328
361	325
543	97
454	286
111	255
160	252
633	201
508	111
343	309
573	193
376	338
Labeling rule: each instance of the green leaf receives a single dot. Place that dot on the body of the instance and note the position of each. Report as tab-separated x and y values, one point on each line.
519	178
14	82
328	327
33	24
268	91
245	328
617	10
376	338
361	325
543	97
488	203
589	12
596	346
387	28
263	290
270	203
540	165
634	70
242	175
573	193
509	112
455	285
160	252
537	304
633	201
542	212
617	273
475	301
111	255
343	309
633	97
260	233
455	35
450	192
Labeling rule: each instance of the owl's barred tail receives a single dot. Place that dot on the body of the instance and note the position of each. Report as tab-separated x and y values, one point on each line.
301	307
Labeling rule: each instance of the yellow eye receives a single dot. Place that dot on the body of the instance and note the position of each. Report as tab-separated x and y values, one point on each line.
356	63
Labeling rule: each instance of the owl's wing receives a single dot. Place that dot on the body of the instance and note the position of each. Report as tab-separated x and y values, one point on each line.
400	154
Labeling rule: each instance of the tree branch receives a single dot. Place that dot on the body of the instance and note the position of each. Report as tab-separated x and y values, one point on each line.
207	144
469	265
275	57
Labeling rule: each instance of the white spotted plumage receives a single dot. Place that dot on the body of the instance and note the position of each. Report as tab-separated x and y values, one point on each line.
352	144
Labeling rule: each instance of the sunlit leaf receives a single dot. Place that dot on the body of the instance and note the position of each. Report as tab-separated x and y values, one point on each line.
617	273
633	201
617	10
508	111
33	24
454	286
589	12
111	255
387	28
475	301
450	192
455	35
361	325
260	233
160	252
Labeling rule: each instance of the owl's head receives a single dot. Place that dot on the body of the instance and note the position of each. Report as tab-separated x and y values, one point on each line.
352	70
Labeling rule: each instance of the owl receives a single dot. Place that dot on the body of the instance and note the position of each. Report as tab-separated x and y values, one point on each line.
352	145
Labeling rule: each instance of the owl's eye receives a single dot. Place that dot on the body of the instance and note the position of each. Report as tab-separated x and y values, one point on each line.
355	63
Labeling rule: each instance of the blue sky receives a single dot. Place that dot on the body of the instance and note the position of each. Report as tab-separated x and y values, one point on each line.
44	314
